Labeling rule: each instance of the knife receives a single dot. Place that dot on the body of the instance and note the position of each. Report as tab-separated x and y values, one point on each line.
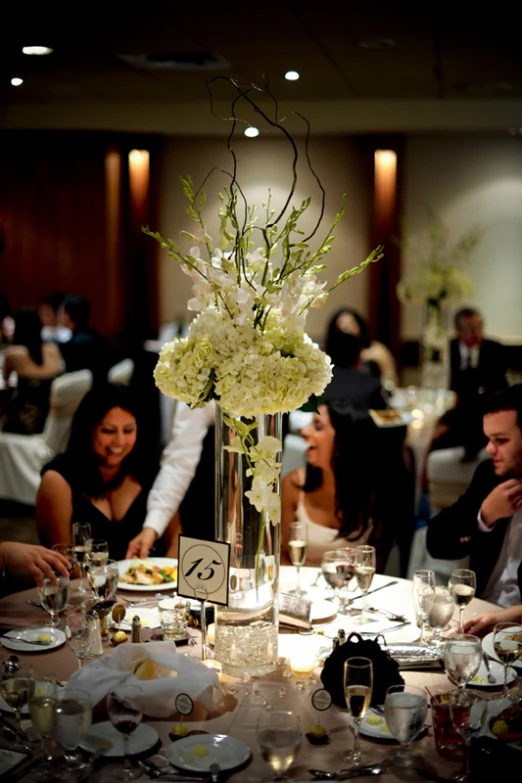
388	584
384	630
26	641
425	773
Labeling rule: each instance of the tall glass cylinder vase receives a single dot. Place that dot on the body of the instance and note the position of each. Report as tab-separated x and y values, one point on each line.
434	346
246	629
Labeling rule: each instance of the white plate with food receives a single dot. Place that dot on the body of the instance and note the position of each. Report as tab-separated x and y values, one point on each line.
149	575
389	417
197	753
504	722
488	647
373	725
33	640
480	680
105	735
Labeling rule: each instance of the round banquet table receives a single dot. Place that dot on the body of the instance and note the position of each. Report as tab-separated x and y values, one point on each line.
240	721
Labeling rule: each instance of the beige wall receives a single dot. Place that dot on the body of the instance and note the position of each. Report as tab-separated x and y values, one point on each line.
468	180
264	163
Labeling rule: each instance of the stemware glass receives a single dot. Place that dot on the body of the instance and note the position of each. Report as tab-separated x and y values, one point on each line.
104	579
15	691
358	684
125	708
440	614
462	658
507	642
423	596
54	597
99	554
297	547
72	721
405	710
462	584
42	702
82	542
364	571
468	712
79	631
279	739
338	568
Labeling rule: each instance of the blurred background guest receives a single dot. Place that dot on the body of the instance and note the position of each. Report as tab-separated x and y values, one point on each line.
36	364
86	350
6	320
349	382
48	309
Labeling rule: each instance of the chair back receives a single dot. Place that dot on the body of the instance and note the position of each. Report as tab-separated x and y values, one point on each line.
121	372
67	392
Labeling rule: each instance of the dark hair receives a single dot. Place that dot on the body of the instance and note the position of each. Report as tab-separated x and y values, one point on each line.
509	399
5	310
78	309
28	332
54	300
364	336
353	467
464	312
80	455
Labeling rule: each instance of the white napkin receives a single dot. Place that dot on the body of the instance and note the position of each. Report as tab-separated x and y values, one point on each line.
104	673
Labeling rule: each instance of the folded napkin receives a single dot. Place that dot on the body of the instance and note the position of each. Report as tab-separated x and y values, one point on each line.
174	674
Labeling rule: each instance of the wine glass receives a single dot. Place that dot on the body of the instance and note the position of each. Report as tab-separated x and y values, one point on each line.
345	566
358	684
104	579
15	691
297	546
99	552
125	708
440	614
54	597
79	631
405	710
507	642
82	542
338	568
72	721
364	571
423	596
462	584
42	702
462	658
279	739
468	712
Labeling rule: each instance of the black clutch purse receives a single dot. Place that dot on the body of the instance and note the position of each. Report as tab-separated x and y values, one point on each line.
385	669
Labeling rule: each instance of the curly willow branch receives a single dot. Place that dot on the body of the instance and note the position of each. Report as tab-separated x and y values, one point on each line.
323	191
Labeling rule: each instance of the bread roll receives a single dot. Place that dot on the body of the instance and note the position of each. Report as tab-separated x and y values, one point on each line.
145	670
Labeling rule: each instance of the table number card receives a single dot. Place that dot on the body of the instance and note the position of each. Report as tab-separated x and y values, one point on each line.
184	704
203	569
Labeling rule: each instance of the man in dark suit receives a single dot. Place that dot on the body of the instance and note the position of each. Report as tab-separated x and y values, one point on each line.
486	522
86	350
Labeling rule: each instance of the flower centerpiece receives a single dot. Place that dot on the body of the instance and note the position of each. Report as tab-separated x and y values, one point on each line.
247	350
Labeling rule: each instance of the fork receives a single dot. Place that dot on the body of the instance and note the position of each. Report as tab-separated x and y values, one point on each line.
390	615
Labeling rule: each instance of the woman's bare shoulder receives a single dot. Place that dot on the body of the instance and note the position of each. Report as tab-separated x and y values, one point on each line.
293	481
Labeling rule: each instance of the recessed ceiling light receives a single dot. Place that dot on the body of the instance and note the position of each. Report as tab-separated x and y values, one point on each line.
36	50
377	43
292	76
16	81
251	132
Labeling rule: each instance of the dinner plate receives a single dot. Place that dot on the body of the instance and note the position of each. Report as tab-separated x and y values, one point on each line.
494	707
32	634
377	730
124	565
487	646
105	735
405	418
149	617
226	751
480	680
323	611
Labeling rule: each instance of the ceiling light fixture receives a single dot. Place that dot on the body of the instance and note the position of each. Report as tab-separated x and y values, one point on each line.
251	132
36	50
291	76
16	81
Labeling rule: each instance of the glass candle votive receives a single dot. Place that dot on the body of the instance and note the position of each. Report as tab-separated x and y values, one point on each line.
302	664
174	614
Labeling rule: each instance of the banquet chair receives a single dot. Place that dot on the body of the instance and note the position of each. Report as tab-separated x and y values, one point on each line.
121	372
23	456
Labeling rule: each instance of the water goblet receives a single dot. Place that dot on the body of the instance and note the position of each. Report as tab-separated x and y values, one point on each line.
405	710
462	584
423	596
99	555
41	700
331	575
358	685
104	579
15	691
462	658
279	739
79	631
440	614
125	708
468	712
364	571
72	721
297	547
507	643
54	597
82	542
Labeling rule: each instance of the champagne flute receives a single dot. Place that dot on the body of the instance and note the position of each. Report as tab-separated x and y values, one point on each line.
507	643
82	542
125	708
462	584
79	631
297	546
72	721
99	552
279	739
358	684
440	614
15	691
405	710
42	702
54	597
462	658
468	712
423	596
364	571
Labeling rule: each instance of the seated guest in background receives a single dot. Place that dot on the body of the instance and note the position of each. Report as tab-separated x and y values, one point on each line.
86	350
375	358
348	382
36	364
486	522
6	321
32	559
103	478
48	308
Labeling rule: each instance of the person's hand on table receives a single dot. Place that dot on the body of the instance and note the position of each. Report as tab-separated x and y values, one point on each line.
487	620
36	560
141	545
502	501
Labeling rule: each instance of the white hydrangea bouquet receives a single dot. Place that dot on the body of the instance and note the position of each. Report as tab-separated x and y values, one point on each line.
247	348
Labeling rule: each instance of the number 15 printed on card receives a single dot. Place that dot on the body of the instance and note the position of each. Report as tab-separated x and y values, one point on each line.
203	569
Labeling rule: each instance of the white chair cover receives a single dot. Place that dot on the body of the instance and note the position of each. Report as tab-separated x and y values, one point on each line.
121	372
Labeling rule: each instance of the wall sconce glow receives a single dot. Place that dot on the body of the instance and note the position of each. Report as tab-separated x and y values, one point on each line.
292	76
39	50
386	159
251	132
16	81
138	158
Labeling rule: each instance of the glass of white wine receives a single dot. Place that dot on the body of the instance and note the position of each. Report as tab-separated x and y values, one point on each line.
462	658
81	545
54	597
507	643
358	684
462	584
297	548
423	596
405	710
99	552
42	702
364	572
15	691
440	614
279	739
468	712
